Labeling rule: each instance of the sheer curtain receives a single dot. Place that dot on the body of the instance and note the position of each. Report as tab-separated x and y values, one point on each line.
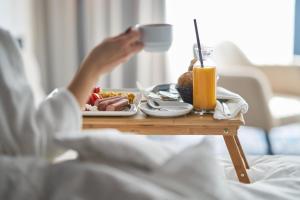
65	31
264	30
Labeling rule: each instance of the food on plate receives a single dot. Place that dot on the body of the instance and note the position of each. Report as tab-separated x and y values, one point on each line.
119	105
100	100
103	99
110	94
93	98
97	90
89	107
130	96
103	104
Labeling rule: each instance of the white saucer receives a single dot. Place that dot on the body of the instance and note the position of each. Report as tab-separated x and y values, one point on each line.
174	109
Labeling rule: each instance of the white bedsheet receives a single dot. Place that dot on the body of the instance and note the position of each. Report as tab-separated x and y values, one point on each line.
193	173
272	177
183	176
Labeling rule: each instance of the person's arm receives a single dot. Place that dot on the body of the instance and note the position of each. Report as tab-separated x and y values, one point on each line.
27	130
102	59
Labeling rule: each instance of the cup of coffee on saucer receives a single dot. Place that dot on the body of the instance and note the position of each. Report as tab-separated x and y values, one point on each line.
156	37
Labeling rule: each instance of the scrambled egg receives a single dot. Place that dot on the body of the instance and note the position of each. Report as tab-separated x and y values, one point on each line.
130	96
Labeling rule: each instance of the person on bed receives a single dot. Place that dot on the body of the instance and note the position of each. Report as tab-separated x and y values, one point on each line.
27	130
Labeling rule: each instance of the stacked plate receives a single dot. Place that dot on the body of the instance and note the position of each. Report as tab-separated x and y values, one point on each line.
159	108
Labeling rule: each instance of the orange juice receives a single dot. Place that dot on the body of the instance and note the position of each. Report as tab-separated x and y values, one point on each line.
204	88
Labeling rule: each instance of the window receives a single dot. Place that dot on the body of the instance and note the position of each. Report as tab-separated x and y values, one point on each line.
264	30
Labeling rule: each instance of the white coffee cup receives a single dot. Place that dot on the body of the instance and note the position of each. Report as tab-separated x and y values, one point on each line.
156	37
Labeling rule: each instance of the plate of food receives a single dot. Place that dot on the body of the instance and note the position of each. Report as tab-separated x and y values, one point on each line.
112	102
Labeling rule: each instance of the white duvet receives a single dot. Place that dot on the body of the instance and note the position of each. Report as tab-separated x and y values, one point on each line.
179	176
273	177
132	167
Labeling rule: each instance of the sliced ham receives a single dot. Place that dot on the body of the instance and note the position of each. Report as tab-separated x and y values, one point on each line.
121	104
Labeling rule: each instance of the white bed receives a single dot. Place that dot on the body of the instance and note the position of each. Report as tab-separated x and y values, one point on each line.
272	177
114	166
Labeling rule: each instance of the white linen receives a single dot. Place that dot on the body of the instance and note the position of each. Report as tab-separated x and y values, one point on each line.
234	102
109	144
184	176
25	129
272	177
190	174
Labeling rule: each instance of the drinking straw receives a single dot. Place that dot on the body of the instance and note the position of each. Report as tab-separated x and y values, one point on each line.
198	43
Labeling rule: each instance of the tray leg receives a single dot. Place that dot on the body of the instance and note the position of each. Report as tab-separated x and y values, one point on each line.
237	159
241	151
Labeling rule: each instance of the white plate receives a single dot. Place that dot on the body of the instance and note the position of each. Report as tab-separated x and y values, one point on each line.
128	112
175	109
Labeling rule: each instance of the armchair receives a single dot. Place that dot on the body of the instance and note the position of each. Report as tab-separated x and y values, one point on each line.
273	92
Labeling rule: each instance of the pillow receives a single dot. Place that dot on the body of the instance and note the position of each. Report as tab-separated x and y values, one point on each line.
109	145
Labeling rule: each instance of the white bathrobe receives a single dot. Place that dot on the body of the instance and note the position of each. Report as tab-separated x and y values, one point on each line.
25	129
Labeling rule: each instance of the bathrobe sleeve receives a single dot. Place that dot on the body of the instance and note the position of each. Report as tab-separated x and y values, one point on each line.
25	128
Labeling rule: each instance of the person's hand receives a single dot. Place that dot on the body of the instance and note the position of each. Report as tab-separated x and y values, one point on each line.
114	51
102	59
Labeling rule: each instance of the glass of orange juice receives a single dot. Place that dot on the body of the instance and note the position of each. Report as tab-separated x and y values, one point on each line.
204	86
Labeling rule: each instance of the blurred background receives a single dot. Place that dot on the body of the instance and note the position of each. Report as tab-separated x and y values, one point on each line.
259	59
